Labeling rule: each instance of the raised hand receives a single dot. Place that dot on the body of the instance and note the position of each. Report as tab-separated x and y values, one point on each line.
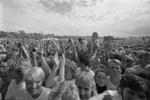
56	44
56	59
72	43
63	59
61	77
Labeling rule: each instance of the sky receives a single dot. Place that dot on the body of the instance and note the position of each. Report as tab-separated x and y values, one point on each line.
119	18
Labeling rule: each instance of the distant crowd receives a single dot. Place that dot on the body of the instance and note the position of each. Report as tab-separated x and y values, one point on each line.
74	70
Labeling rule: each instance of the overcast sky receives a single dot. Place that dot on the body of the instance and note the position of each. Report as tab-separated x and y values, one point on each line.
77	17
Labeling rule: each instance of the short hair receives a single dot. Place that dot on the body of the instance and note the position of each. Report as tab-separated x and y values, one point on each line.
85	77
147	67
80	39
144	54
84	58
130	71
133	82
117	56
63	90
101	70
95	34
35	73
116	61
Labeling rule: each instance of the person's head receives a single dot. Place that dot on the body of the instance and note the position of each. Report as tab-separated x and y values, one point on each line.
121	51
34	78
129	62
15	51
95	38
17	72
68	51
101	77
147	46
70	69
130	71
145	74
127	51
132	87
145	58
80	40
84	59
95	35
114	67
65	91
117	56
86	85
147	67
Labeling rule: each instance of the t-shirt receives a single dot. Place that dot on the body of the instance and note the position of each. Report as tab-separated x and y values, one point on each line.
113	94
99	96
44	95
16	91
92	46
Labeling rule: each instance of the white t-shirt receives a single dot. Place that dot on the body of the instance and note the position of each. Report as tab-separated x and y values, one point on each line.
16	91
44	95
113	93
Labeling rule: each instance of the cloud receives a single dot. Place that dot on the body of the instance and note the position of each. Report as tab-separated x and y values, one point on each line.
58	6
77	17
116	10
66	6
0	15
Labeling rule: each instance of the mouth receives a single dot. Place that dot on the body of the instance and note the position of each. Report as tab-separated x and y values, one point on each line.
101	84
32	91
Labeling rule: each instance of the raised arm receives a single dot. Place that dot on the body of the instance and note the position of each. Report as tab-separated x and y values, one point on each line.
43	64
33	59
61	76
24	52
52	81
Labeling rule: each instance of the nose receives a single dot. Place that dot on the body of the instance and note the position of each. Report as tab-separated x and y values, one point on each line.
34	85
101	80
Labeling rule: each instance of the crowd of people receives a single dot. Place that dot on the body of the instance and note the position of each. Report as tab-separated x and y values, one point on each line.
73	70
